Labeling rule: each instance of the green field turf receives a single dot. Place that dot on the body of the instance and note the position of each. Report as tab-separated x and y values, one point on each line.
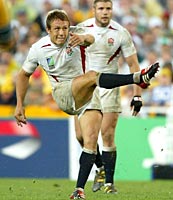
58	189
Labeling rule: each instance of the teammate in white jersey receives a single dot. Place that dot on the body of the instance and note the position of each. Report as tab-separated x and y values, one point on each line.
59	54
111	41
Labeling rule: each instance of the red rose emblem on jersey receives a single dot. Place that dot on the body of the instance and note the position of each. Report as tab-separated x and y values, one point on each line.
69	51
110	41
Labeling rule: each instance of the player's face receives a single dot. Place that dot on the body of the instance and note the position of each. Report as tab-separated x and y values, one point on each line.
59	32
103	13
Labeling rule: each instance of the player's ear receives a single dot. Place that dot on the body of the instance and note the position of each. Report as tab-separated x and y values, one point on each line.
48	31
93	9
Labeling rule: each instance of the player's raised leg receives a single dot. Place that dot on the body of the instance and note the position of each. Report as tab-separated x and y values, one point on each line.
141	78
84	85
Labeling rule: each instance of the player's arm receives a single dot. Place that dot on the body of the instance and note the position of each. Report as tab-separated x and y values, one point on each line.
81	39
129	51
22	84
133	64
136	103
88	39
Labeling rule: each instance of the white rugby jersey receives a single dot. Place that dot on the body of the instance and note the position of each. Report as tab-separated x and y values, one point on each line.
110	41
60	63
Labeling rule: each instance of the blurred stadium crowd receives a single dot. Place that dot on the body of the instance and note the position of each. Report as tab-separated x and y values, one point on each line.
150	23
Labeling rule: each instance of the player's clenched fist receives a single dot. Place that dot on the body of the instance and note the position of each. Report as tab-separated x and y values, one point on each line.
136	105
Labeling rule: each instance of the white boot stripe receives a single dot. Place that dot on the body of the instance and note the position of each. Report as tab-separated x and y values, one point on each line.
146	78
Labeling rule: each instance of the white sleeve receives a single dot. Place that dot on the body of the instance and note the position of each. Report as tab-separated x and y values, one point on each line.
31	62
127	45
80	29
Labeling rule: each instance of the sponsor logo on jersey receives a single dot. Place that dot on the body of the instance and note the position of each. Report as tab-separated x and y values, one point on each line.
110	41
50	62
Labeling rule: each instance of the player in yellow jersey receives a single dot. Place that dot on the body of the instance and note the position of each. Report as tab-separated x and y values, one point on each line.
6	38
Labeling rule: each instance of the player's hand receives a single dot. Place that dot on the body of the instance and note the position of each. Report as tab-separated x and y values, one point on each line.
20	116
136	105
76	39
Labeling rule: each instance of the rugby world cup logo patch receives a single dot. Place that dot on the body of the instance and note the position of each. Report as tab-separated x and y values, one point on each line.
50	62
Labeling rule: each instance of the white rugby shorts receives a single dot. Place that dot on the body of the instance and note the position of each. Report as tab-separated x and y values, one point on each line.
62	94
106	100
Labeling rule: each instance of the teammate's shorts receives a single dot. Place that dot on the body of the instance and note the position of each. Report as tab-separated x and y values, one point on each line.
106	100
62	94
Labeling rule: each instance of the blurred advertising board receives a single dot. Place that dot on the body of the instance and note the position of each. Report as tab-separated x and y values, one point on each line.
39	149
140	144
47	147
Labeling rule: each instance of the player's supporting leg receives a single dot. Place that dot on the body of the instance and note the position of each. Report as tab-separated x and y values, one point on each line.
100	173
86	161
99	178
109	155
90	123
98	161
109	152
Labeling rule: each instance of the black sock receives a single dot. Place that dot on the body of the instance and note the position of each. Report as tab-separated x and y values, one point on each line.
109	161
110	81
98	160
86	162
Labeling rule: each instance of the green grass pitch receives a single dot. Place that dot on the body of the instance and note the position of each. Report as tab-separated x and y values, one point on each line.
60	189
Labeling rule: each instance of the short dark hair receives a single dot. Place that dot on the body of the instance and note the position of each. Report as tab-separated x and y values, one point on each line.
96	1
56	14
